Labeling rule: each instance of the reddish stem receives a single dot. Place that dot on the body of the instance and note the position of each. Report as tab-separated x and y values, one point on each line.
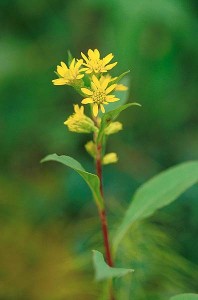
103	217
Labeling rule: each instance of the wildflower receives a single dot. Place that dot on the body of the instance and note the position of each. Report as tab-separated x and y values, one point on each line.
79	122
99	94
71	75
113	127
93	63
110	158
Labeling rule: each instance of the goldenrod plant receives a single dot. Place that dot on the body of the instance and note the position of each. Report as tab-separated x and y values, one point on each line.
90	77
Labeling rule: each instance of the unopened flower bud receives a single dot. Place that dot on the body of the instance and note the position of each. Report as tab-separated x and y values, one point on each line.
91	148
113	127
110	158
79	122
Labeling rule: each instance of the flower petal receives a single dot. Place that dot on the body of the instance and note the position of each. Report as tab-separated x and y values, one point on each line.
64	65
83	69
84	57
121	87
61	71
79	76
72	64
105	83
109	67
97	54
107	58
86	91
110	88
96	82
95	109
112	99
78	64
60	81
76	108
102	108
87	100
91	54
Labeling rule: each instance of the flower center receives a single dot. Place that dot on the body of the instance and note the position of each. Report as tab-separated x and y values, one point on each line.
99	97
95	65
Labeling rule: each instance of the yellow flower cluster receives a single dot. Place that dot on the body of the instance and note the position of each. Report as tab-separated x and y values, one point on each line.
86	75
90	77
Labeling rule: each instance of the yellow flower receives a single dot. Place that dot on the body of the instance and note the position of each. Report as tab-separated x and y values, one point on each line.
93	63
99	94
71	75
79	122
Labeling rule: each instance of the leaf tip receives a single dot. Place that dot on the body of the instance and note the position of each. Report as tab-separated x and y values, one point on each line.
47	158
42	160
137	104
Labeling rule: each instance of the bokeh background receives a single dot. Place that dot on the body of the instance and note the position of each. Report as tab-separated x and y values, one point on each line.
48	222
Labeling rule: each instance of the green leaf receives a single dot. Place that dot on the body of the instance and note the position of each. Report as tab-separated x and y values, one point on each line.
70	57
91	179
111	116
121	76
185	297
159	191
103	271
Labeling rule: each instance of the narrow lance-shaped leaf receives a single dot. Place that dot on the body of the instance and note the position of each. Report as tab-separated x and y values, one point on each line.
120	77
185	297
70	57
91	179
159	191
111	116
103	271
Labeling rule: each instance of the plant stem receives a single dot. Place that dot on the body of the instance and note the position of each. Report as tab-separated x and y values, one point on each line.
103	217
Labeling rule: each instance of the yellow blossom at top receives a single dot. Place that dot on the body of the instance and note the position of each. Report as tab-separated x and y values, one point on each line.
71	75
79	122
98	95
94	64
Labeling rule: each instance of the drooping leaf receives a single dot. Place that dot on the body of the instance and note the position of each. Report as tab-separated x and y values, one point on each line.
159	191
91	179
185	297
103	271
111	116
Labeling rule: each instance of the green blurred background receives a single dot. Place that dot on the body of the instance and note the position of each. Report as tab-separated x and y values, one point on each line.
47	218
